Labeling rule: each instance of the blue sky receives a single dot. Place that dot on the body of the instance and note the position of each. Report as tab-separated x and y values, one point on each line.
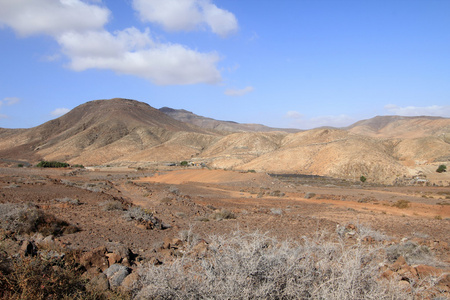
295	63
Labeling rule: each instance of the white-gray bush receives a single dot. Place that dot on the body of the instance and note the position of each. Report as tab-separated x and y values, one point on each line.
255	266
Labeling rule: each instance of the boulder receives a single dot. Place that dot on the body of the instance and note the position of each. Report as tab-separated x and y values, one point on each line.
116	274
99	282
95	259
425	271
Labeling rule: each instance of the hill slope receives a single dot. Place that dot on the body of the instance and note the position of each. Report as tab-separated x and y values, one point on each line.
222	126
96	132
128	132
402	127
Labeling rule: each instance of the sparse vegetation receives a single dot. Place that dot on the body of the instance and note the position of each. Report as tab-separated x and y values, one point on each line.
441	169
52	164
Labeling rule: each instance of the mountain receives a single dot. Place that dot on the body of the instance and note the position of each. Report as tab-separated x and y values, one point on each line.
402	127
221	126
127	132
96	132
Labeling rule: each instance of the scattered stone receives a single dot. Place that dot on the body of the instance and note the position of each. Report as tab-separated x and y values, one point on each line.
309	195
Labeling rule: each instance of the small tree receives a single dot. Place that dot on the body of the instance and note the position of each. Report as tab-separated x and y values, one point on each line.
363	178
184	163
441	168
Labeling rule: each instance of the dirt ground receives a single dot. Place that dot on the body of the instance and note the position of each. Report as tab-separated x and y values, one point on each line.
186	199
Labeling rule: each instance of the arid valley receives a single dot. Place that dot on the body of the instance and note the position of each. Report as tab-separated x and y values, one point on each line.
148	190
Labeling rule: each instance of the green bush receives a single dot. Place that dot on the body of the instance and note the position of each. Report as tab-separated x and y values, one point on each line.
78	166
363	178
52	164
183	163
441	168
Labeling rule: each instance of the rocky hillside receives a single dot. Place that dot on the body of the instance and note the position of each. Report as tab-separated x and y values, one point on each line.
222	126
128	132
402	127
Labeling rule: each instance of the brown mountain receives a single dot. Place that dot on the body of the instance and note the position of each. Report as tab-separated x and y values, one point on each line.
402	127
95	132
128	132
221	126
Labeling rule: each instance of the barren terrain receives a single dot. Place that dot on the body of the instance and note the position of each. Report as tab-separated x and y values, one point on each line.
135	207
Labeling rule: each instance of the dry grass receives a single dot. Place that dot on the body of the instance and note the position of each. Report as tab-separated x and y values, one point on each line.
255	266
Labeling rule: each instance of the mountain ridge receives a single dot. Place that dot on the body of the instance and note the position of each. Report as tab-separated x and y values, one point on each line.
128	132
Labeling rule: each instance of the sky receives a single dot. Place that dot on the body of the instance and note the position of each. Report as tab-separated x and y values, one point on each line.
288	63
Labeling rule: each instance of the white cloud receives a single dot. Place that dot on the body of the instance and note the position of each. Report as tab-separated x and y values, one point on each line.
293	115
9	101
134	53
241	92
78	28
52	17
299	121
177	15
433	110
59	112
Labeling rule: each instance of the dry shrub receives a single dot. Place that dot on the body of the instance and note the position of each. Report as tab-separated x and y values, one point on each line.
37	278
401	204
413	253
223	214
111	205
25	219
255	266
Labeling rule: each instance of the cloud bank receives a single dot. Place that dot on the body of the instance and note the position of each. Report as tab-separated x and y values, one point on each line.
59	112
238	93
187	15
433	110
299	121
78	27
